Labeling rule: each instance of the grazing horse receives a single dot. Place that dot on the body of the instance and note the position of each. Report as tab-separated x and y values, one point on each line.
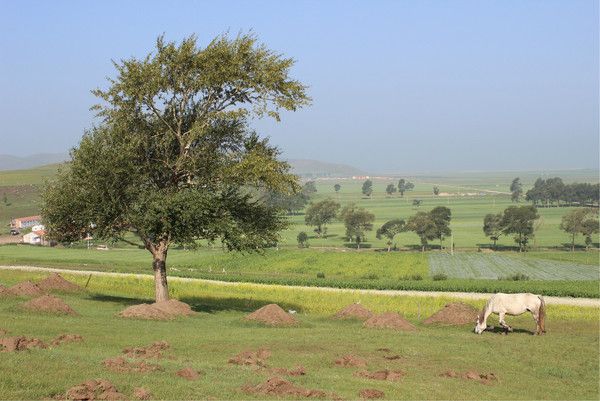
513	304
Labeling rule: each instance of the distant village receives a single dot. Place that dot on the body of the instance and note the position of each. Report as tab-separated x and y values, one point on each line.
37	234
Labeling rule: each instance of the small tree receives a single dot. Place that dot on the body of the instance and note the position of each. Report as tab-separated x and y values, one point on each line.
492	226
436	190
173	160
302	240
423	225
389	230
337	188
390	189
416	202
401	186
320	214
579	221
441	216
516	189
519	220
367	188
357	221
309	188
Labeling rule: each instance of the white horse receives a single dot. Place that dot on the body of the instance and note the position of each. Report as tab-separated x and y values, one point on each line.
514	305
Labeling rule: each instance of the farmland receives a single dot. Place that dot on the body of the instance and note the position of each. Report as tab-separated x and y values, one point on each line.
205	342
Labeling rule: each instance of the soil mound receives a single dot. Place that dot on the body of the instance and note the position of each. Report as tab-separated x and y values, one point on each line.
454	314
120	364
25	289
49	304
389	375
188	374
20	343
251	358
92	390
141	393
389	320
272	315
297	371
66	338
484	378
55	282
350	361
370	394
354	311
4	291
154	350
276	386
163	310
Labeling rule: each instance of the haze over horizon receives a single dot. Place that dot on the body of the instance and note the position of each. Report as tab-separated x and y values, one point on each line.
396	86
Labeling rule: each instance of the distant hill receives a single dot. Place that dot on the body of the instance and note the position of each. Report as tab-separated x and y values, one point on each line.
316	169
9	162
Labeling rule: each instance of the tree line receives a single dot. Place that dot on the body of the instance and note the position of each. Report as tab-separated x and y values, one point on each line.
552	191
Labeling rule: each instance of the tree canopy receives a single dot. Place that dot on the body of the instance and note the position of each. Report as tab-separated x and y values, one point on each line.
580	221
389	230
367	188
519	220
492	227
320	214
357	221
173	159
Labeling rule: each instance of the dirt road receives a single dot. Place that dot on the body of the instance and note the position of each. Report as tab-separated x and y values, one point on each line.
586	302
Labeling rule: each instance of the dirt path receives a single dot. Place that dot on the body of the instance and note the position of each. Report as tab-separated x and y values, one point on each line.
588	302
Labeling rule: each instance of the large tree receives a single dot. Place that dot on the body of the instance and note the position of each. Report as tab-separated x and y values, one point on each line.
579	221
519	220
516	190
423	225
367	188
320	214
441	216
389	230
173	159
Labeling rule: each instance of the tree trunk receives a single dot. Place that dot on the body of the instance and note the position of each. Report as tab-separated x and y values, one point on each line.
573	243
159	265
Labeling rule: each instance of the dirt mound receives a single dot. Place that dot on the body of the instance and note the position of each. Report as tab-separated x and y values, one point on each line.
297	371
455	313
66	338
92	390
120	364
163	310
141	393
4	291
251	358
370	394
20	343
389	320
354	311
389	375
484	378
154	350
349	361
25	289
276	386
188	374
272	315
49	304
55	282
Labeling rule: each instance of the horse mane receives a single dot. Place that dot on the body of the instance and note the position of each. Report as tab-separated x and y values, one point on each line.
481	314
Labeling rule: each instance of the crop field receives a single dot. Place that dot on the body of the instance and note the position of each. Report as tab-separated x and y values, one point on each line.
495	266
306	267
563	364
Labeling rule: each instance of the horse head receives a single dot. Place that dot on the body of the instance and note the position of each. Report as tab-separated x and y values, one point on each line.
481	324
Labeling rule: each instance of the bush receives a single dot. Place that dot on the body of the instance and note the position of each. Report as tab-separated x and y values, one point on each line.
320	275
439	277
371	276
416	277
515	277
302	239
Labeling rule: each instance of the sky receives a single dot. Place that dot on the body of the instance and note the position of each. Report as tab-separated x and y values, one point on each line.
397	86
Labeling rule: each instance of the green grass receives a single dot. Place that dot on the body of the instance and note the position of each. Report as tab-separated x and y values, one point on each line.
561	365
349	269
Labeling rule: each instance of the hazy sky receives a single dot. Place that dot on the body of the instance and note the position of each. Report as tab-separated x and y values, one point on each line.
397	85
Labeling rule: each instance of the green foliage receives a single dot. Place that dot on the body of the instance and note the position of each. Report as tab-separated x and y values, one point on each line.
320	214
516	277
436	190
439	277
390	229
516	189
404	186
519	220
580	221
320	275
357	221
367	188
492	227
174	150
309	188
337	188
302	239
390	189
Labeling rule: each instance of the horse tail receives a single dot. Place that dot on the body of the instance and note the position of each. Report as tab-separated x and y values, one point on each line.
542	314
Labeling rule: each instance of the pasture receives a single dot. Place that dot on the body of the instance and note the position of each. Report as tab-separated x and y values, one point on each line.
560	365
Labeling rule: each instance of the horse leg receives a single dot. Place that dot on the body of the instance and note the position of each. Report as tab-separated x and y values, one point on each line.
503	323
536	317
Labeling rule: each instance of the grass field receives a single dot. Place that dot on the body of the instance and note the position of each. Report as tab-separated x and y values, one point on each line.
560	365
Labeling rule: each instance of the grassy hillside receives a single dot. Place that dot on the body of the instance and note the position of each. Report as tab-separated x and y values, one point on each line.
559	365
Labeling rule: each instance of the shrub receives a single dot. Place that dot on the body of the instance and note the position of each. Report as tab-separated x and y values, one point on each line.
302	239
439	277
416	277
371	276
320	275
516	277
